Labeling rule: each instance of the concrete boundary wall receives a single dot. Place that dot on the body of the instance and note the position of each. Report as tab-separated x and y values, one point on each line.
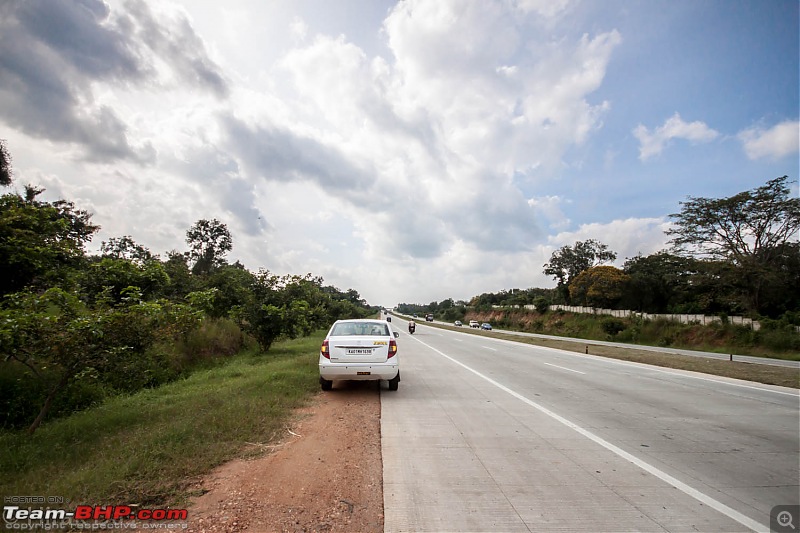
685	319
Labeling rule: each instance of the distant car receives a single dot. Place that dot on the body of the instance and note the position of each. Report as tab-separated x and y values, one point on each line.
429	317
359	350
486	326
415	315
474	324
457	323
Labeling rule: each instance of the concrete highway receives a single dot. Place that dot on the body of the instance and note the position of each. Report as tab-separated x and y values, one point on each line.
491	435
660	349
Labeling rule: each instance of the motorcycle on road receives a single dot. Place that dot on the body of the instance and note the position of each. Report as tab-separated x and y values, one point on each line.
411	327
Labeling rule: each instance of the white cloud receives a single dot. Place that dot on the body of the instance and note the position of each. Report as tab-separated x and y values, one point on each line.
58	59
464	270
517	102
298	29
546	8
628	238
776	142
400	176
550	208
652	144
442	130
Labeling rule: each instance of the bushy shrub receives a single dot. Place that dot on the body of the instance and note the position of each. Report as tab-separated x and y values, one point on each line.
743	335
454	313
56	334
630	334
213	340
612	326
21	396
780	335
791	317
666	340
134	370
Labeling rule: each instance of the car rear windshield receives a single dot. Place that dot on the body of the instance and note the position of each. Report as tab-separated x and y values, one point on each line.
360	328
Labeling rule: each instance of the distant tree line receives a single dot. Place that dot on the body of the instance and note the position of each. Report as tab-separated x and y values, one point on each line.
730	256
445	310
76	327
737	255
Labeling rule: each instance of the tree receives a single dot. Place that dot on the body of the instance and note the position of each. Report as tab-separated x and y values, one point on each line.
234	288
569	261
354	298
181	281
659	282
56	335
746	225
764	288
40	242
209	241
270	313
125	248
344	304
599	286
106	279
541	304
751	230
5	164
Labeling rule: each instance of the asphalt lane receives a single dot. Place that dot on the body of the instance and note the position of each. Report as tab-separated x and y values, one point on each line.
492	435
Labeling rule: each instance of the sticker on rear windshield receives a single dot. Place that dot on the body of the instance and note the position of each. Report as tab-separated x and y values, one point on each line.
376	343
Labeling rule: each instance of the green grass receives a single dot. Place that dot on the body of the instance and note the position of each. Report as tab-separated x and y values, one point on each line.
146	447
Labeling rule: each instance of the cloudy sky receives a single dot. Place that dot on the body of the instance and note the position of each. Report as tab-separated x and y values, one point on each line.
414	150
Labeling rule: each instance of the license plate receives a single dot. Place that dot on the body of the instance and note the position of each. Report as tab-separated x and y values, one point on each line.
363	373
359	351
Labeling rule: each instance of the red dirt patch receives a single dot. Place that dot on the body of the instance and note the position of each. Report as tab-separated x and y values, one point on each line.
327	475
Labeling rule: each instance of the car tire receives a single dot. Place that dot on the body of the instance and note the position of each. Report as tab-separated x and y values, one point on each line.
326	384
394	382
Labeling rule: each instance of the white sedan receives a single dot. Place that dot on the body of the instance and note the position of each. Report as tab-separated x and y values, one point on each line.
360	350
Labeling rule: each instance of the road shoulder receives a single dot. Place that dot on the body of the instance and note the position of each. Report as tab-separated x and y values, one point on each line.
326	475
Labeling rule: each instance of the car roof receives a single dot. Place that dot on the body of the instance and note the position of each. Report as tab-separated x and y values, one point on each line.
371	322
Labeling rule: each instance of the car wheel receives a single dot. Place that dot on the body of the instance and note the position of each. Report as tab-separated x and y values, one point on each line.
326	384
394	382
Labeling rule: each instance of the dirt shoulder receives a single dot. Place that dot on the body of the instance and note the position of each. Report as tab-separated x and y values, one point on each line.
325	476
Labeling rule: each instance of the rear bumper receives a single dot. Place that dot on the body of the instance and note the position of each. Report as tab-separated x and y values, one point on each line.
358	371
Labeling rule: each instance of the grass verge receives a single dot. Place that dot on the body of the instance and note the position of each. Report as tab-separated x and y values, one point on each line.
770	375
144	448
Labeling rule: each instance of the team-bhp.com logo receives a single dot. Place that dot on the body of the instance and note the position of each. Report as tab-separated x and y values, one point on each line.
95	517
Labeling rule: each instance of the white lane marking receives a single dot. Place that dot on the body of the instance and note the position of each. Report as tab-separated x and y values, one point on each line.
565	368
673	373
647	467
492	349
610	360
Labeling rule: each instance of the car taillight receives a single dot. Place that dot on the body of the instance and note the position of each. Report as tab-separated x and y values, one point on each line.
392	347
325	349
